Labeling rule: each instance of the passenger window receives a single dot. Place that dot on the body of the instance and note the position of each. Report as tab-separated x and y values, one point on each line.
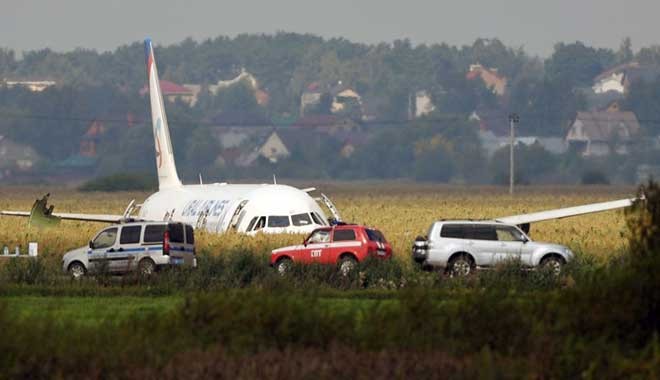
301	220
260	224
190	234
278	221
344	235
106	238
130	235
154	234
319	236
508	234
480	232
453	231
176	232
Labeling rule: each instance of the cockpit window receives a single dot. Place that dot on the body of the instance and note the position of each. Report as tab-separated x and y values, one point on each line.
317	219
252	222
301	220
261	223
278	221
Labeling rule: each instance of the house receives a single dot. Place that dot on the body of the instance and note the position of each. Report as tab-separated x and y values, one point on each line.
491	77
344	98
32	85
261	96
423	103
600	133
619	78
495	120
273	149
15	157
91	138
173	92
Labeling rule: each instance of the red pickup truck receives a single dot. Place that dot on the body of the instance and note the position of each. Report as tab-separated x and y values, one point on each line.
342	245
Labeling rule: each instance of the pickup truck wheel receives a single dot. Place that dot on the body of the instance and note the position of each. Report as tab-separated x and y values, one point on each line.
283	266
460	266
77	270
146	267
347	265
553	264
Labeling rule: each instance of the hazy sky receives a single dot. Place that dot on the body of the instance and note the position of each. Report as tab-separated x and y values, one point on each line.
534	24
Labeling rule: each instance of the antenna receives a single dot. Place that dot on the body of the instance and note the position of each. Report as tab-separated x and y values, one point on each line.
200	179
274	180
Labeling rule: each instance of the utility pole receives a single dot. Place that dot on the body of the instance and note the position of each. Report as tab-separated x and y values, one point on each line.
513	120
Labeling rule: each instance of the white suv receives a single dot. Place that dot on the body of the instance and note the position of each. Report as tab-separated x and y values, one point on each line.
462	246
142	246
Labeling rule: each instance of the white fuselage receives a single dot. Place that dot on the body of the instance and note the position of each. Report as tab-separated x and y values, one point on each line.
221	207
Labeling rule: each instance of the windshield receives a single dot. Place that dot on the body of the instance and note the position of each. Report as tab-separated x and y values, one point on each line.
106	238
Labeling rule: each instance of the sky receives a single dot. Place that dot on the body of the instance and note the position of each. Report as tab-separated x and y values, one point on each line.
535	25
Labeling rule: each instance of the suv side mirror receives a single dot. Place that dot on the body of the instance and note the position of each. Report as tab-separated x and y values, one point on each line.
305	243
91	244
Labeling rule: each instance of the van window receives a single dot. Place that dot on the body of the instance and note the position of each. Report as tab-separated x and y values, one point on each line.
453	231
190	234
106	238
301	220
154	233
176	232
278	221
130	235
344	235
482	232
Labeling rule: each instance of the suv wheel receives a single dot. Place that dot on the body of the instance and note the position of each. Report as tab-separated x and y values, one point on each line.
460	266
146	267
77	270
347	265
283	266
553	264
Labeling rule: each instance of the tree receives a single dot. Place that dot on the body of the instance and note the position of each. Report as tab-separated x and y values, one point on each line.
576	65
625	52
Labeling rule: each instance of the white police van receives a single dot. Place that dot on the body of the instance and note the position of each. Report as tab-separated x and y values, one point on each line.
141	246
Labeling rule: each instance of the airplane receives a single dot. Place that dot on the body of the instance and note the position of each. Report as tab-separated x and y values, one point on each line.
217	207
246	208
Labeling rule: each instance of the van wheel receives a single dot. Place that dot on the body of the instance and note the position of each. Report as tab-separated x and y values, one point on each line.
283	266
146	267
553	264
347	265
460	266
77	270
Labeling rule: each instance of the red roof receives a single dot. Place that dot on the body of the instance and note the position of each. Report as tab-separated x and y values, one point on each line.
168	88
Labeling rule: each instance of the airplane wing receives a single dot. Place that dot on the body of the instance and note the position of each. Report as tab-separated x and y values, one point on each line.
105	218
565	212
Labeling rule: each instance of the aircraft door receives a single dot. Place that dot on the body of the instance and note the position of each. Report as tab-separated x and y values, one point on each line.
238	216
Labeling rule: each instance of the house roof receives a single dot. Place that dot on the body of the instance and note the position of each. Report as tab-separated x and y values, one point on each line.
605	126
633	71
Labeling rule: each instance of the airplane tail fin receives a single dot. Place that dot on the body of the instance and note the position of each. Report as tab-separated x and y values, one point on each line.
167	175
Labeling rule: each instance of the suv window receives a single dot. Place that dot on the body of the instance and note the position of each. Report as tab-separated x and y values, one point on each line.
453	231
481	232
130	235
375	235
154	233
106	238
344	235
319	236
176	232
190	234
506	233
